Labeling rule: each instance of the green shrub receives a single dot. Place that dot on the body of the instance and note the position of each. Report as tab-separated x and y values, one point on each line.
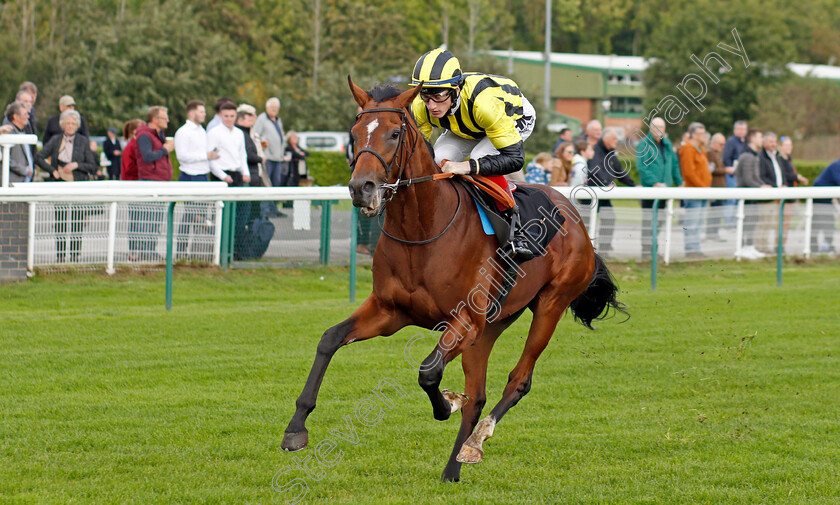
810	169
328	168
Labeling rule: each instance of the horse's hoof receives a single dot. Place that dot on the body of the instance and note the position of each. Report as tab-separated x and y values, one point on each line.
295	441
469	454
456	400
450	478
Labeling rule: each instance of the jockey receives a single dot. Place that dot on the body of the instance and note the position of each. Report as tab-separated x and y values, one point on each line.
485	120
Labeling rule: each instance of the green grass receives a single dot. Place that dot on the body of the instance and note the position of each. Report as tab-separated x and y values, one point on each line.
721	388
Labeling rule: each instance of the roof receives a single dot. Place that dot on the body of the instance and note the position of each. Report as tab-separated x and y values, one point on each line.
637	64
598	62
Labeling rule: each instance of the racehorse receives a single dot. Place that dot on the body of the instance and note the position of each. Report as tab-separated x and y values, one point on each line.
436	265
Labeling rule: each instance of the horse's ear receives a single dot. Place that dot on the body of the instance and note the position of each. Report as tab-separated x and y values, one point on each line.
362	97
406	97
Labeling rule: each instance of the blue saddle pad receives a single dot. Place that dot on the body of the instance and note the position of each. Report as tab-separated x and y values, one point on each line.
485	221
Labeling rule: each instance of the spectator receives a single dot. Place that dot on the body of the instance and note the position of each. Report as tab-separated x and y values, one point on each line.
731	151
824	211
562	167
658	168
772	173
32	89
128	170
247	212
26	99
21	160
113	152
539	169
747	174
604	169
191	145
194	162
70	160
695	171
297	160
592	133
580	170
54	128
232	164
786	159
565	135
217	119
154	164
269	127
715	155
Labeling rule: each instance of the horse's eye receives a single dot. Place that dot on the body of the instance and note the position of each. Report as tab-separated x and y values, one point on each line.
395	134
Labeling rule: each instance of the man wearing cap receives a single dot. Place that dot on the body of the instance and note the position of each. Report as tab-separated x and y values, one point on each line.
113	151
232	164
53	128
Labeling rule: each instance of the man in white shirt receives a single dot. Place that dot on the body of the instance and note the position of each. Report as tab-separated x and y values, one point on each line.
232	163
191	145
194	159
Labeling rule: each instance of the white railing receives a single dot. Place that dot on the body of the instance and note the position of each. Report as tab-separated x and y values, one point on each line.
7	141
112	197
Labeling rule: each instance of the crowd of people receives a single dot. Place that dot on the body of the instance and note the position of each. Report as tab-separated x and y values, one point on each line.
748	158
238	146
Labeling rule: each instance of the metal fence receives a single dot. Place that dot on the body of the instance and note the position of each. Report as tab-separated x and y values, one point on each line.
111	224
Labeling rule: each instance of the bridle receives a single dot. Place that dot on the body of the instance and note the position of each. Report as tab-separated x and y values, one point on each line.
389	189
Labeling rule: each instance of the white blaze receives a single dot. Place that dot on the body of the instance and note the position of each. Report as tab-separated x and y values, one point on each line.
371	126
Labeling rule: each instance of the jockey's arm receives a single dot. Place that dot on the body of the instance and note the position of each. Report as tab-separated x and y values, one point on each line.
502	132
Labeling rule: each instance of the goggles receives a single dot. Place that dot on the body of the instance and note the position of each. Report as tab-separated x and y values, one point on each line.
435	96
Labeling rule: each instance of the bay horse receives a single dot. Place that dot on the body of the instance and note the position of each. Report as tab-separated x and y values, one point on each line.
435	264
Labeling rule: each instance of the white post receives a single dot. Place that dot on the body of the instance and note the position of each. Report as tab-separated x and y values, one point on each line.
30	253
809	216
669	215
217	234
593	223
739	230
7	141
112	237
5	178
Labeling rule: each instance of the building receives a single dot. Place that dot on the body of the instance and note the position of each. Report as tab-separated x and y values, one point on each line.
593	86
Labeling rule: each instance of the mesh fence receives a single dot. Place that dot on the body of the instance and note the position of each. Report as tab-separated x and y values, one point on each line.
319	232
78	233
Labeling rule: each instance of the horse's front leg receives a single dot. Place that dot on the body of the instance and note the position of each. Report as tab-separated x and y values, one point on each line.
453	339
371	319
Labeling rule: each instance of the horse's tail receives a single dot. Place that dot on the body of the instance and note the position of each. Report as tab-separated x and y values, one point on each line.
600	295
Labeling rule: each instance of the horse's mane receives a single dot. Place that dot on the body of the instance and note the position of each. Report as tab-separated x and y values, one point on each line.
384	92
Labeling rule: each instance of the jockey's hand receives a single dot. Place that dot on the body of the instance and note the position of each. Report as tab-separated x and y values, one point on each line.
456	167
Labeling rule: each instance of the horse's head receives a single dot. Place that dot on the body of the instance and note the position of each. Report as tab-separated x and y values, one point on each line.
384	137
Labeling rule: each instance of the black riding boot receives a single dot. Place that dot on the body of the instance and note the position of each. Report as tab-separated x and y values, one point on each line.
518	247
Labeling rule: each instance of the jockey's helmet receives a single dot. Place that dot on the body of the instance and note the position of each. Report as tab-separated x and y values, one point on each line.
437	69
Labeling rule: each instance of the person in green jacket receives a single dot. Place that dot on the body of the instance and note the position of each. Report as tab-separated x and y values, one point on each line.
658	167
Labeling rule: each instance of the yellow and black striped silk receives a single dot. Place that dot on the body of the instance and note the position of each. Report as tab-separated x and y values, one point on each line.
490	107
436	68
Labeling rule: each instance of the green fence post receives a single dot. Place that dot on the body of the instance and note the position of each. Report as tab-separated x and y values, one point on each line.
223	259
780	247
654	244
232	233
326	232
170	222
354	240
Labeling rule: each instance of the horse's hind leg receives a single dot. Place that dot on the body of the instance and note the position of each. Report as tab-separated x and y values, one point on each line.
369	320
547	311
474	362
